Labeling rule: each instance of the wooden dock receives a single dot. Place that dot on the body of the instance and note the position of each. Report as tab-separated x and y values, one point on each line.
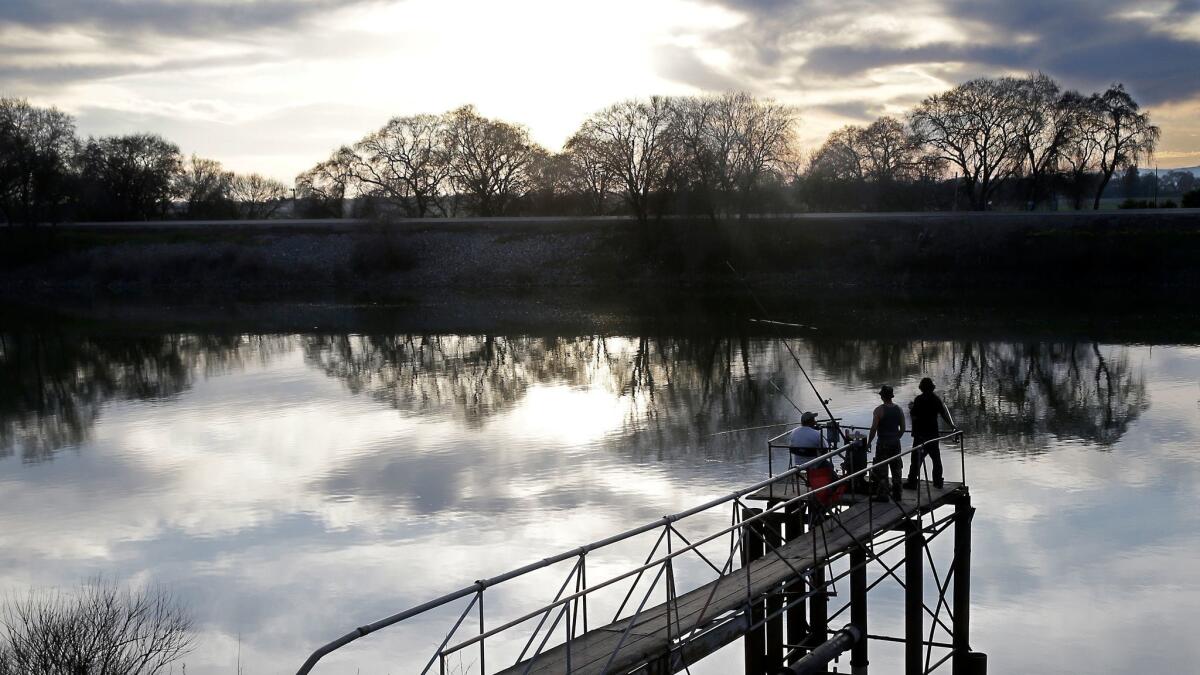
717	610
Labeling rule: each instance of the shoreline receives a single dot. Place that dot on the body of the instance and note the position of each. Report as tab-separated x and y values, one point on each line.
324	260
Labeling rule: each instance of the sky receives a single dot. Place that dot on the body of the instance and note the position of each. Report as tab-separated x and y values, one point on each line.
274	86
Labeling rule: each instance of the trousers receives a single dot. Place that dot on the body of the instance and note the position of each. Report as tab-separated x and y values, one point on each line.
884	450
918	458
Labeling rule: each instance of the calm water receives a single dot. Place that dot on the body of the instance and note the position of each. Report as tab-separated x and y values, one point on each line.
290	487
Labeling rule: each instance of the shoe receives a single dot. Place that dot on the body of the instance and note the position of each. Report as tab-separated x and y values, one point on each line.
938	484
896	496
910	484
879	498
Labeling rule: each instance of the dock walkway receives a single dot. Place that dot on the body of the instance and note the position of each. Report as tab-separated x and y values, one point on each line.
662	639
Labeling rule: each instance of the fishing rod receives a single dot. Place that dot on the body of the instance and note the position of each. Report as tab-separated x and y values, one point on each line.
822	399
766	426
783	323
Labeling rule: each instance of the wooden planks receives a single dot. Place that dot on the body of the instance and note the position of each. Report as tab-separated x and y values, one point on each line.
647	639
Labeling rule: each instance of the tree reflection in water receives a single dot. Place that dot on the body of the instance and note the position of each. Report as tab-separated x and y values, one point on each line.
1007	394
681	390
54	385
677	391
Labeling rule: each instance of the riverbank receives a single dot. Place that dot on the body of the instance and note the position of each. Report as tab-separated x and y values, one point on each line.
322	260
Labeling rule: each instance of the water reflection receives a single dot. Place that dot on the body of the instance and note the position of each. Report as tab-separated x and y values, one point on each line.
53	385
678	390
1019	392
303	490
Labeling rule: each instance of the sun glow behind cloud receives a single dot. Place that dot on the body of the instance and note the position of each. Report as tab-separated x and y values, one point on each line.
274	87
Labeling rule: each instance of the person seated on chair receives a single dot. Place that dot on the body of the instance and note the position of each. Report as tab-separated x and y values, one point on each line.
806	440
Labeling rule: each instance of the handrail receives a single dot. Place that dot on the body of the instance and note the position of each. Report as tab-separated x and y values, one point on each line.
678	552
532	567
480	585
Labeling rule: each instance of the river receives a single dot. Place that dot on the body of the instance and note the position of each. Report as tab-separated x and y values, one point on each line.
289	485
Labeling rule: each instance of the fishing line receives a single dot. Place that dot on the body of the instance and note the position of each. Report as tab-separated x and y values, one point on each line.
822	399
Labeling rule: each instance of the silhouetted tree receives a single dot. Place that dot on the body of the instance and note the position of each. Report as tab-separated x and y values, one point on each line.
129	177
1124	133
974	127
1046	122
325	188
406	163
490	161
204	186
635	139
257	196
36	149
589	174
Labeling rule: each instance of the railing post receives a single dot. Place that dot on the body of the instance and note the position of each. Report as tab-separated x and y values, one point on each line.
797	625
963	513
858	608
818	608
774	540
914	618
752	549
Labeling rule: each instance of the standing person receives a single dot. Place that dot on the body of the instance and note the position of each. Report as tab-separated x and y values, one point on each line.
888	423
925	410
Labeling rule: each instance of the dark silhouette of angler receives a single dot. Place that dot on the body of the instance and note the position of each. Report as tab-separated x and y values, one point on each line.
925	411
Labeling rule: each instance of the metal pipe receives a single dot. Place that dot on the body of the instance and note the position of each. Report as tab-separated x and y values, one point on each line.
817	659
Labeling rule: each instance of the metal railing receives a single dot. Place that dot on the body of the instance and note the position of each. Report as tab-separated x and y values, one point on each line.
572	610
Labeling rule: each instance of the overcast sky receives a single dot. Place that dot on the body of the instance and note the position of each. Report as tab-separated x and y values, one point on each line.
275	85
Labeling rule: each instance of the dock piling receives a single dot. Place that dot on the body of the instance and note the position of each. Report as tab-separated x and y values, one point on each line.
858	608
914	617
963	514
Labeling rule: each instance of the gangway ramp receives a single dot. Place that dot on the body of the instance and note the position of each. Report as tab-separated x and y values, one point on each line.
716	612
782	560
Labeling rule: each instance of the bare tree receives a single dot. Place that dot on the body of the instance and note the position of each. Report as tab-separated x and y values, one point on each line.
974	127
1080	152
204	185
588	173
765	138
128	177
724	146
257	196
1124	134
327	185
634	138
36	149
840	157
699	148
406	163
490	160
99	629
1047	120
890	152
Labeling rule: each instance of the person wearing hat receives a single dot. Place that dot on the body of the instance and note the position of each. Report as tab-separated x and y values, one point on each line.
806	441
888	423
925	410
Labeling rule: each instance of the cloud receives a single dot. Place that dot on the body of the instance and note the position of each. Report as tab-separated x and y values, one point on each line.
686	67
185	17
1086	44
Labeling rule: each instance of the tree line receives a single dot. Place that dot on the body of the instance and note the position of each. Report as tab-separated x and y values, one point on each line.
49	174
1018	142
704	154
